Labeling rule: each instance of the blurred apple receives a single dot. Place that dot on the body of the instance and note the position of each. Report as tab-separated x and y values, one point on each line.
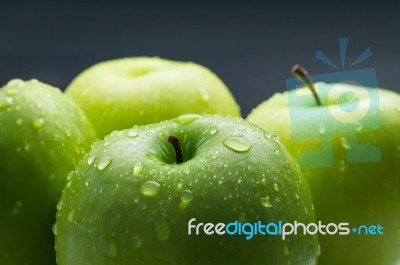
349	150
120	93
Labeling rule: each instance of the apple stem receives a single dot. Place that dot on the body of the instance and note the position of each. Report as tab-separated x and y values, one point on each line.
302	74
178	148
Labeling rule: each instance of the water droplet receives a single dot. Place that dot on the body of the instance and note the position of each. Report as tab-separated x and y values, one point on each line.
38	123
112	249
87	182
17	209
19	121
275	138
342	166
186	196
91	158
95	145
237	143
213	130
60	205
344	143
242	218
203	93
285	250
268	135
136	199
133	133
150	188
297	196
5	102
276	187
319	250
71	215
358	126
104	162
321	128
54	229
266	202
179	184
137	241
162	229
187	118
138	169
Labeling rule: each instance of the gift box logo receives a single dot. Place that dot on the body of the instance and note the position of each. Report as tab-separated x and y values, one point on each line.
346	112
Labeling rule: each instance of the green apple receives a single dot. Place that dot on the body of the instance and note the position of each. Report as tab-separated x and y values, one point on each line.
120	93
43	135
130	199
349	150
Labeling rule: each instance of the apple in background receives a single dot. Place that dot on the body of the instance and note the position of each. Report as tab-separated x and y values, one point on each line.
361	193
43	135
120	93
130	199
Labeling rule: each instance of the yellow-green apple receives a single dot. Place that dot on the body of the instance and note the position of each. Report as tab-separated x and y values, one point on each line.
348	145
120	93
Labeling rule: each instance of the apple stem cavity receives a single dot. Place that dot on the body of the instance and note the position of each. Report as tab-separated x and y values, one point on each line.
302	74
178	148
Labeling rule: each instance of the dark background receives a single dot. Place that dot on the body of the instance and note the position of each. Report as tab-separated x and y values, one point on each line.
251	45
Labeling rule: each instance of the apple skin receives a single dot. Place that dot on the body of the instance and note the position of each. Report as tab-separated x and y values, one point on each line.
105	218
43	135
365	193
120	93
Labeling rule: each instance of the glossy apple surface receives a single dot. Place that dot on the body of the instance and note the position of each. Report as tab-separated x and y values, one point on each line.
43	135
357	131
120	93
129	202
